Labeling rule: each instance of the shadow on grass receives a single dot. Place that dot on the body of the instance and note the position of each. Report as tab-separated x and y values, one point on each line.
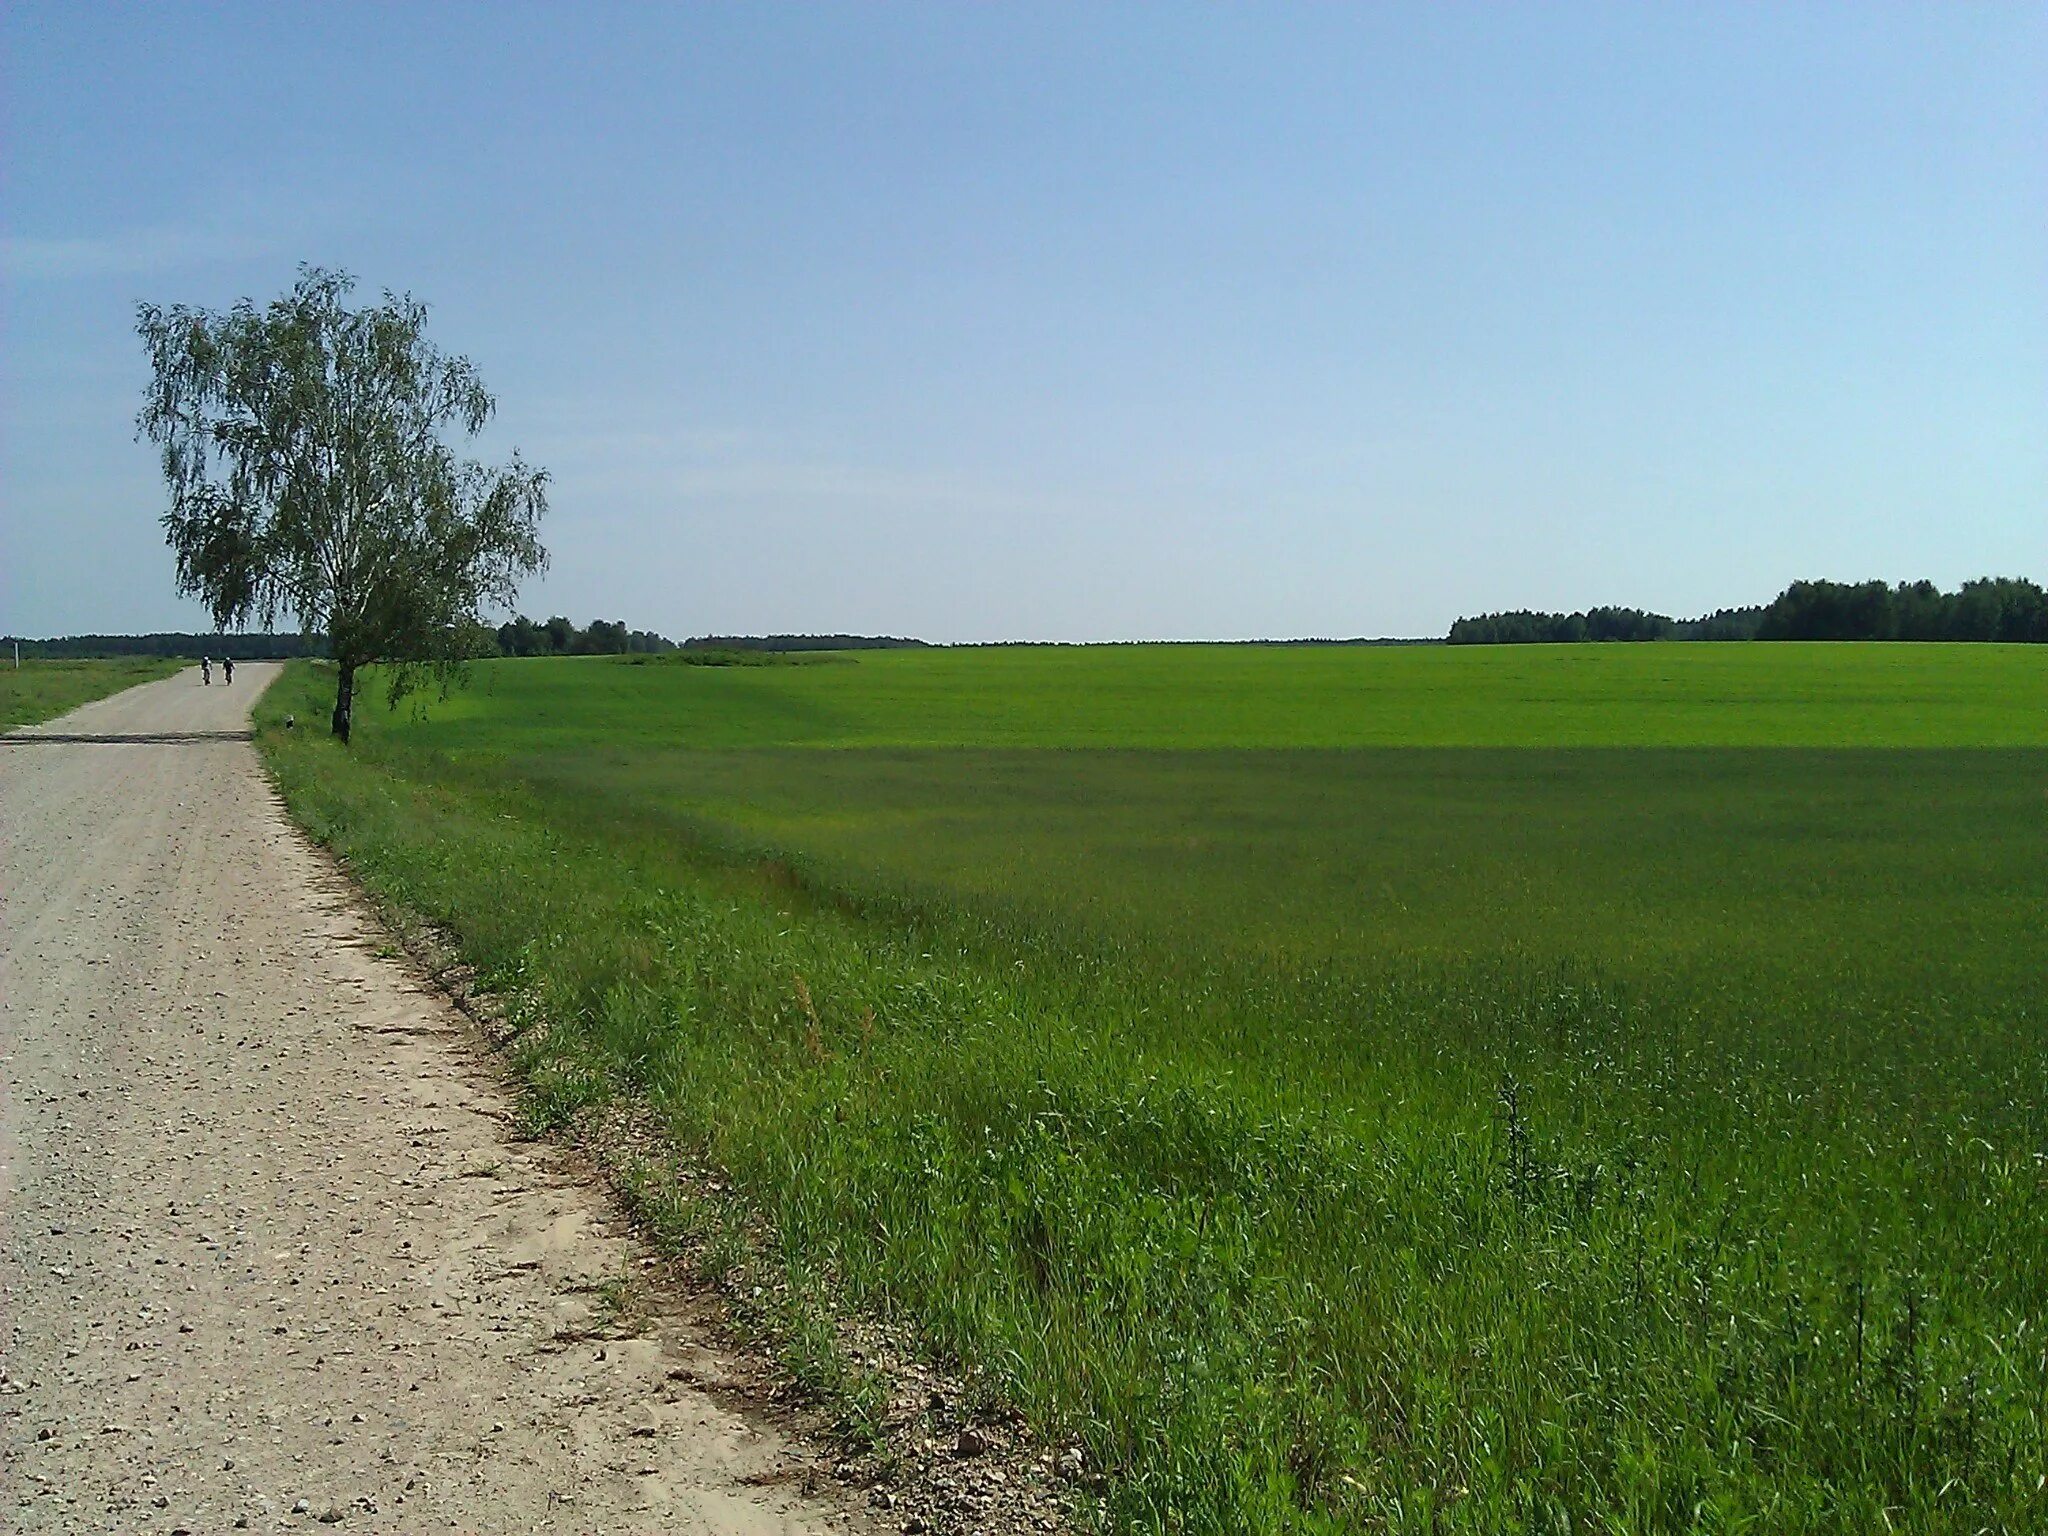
34	738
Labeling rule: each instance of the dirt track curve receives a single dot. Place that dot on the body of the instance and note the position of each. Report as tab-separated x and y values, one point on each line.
271	1259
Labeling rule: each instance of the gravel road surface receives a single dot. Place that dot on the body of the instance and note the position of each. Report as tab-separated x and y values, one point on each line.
269	1257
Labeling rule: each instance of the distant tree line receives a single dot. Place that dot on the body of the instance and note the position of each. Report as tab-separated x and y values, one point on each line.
801	643
559	637
521	637
257	647
1994	608
1527	627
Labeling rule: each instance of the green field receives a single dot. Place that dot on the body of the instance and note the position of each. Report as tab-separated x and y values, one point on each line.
1550	1089
41	690
1234	696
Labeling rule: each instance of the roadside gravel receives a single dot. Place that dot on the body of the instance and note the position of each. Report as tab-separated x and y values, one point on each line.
270	1257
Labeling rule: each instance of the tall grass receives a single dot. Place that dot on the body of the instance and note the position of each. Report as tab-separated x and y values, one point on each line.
1729	1217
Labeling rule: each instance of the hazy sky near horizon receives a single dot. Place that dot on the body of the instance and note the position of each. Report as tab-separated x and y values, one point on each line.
1082	322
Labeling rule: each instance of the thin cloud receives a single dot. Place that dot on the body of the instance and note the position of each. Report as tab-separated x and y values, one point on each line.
727	463
775	482
236	229
27	257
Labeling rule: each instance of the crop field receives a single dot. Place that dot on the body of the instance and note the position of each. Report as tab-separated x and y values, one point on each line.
1365	1089
41	690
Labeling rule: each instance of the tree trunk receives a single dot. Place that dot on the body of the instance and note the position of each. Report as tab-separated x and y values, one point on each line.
344	700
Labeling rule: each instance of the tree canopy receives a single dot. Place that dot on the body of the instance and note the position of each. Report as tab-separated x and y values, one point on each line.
303	445
1994	608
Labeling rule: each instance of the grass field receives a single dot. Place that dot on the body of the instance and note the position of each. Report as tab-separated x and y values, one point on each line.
1235	696
1535	1089
42	690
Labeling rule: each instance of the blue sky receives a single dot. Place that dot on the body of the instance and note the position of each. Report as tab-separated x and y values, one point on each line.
1083	322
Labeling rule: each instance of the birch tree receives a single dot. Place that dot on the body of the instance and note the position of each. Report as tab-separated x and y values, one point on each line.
305	447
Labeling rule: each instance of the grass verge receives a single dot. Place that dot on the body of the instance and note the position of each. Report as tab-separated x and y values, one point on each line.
1422	1247
41	690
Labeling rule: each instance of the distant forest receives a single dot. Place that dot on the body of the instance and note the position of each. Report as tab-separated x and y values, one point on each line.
802	643
240	647
1995	608
519	637
559	637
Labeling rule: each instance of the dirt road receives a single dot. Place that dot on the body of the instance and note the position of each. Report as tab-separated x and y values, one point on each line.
270	1257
